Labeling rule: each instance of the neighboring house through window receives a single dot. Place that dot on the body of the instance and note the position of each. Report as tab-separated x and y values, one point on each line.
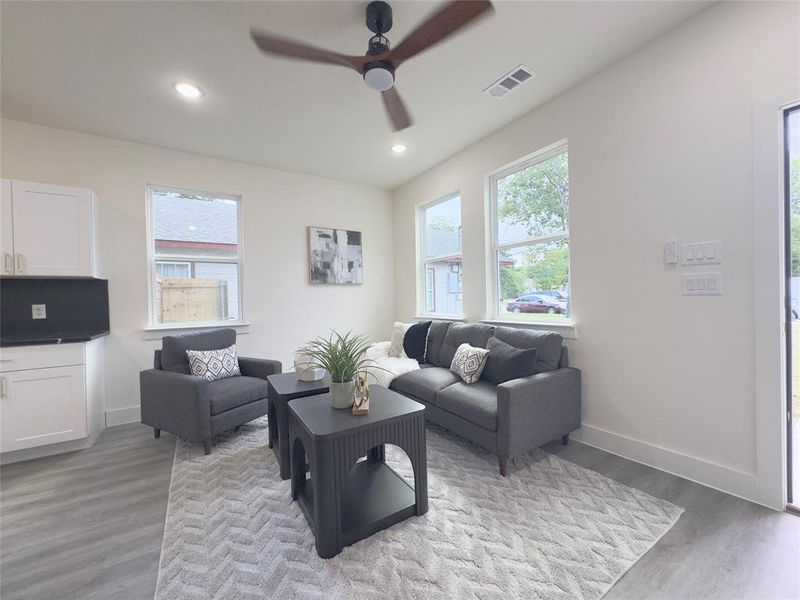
440	271
196	258
530	237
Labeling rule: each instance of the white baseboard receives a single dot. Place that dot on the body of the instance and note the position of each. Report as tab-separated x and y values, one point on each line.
122	416
725	479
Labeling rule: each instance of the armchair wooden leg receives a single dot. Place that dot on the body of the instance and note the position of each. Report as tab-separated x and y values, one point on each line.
565	439
503	465
207	446
156	432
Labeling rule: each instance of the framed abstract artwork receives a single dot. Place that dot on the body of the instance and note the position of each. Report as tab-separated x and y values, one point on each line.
335	256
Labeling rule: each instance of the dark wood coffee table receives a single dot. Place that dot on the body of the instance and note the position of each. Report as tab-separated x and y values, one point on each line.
282	388
344	499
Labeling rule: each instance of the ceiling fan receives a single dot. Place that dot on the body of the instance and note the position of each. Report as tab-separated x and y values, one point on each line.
378	66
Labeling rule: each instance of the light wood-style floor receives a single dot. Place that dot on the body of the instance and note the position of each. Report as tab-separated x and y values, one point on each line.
89	525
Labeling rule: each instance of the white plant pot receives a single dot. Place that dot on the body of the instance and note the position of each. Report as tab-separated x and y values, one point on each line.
342	394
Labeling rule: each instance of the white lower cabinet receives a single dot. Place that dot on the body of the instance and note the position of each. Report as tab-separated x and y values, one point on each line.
51	398
42	406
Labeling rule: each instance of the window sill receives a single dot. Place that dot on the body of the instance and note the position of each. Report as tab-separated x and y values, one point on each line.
438	318
159	331
568	330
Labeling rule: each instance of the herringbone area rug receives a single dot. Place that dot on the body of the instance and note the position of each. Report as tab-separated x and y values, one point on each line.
550	530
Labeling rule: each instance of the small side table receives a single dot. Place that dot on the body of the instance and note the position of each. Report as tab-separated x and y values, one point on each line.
282	388
344	499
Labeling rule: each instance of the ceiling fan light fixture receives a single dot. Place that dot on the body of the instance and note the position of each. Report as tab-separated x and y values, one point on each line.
379	77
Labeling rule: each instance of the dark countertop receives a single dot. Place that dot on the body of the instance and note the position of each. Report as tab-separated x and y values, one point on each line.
59	338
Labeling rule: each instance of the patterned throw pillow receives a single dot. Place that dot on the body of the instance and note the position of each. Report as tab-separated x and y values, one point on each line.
468	362
214	364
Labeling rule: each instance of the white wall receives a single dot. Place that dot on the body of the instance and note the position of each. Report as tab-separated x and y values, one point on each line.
660	148
284	309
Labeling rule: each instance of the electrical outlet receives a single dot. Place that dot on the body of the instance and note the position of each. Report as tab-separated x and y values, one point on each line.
39	311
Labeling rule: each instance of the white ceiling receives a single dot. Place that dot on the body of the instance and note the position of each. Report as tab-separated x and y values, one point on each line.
107	67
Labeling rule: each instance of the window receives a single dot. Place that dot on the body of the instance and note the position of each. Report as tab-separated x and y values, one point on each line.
195	256
440	249
530	238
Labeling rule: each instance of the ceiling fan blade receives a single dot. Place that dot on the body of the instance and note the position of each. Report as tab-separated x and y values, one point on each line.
439	26
281	46
395	109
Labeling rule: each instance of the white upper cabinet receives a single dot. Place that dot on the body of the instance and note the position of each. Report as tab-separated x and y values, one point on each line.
52	228
6	229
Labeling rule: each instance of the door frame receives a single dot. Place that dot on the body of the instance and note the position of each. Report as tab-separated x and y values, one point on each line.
769	294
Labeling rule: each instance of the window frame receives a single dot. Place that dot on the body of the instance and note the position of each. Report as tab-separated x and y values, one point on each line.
423	261
152	257
535	158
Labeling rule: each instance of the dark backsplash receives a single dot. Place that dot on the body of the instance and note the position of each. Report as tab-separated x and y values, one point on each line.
73	306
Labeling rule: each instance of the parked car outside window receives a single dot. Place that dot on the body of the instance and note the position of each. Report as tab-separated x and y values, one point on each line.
530	303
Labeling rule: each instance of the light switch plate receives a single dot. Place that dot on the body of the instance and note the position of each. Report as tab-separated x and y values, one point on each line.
702	253
702	284
38	311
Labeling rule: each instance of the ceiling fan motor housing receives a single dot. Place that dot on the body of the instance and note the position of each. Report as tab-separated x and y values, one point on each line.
379	74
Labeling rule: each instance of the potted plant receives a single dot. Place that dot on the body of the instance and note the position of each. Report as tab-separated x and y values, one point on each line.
342	356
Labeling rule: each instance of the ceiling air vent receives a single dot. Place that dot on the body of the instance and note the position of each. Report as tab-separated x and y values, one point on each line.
509	81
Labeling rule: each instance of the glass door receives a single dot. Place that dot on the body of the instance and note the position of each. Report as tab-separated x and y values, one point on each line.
792	191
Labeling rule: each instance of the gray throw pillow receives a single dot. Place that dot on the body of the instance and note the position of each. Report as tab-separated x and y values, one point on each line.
214	364
506	362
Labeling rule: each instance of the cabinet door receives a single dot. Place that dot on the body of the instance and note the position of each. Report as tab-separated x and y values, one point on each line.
6	229
42	406
52	230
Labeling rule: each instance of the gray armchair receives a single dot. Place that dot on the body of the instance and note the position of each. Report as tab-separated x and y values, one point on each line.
195	409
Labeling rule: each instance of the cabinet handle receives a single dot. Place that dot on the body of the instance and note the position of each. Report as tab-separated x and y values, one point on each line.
6	360
20	263
7	263
2	387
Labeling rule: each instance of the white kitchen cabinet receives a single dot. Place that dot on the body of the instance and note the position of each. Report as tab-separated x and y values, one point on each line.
6	229
42	406
52	230
51	398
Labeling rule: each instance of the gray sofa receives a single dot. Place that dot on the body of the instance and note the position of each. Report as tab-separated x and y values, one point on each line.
193	408
510	418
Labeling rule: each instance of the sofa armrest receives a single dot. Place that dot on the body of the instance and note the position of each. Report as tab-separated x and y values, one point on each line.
259	367
177	403
534	410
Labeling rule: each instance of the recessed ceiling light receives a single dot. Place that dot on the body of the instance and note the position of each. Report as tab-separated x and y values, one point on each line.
399	148
188	90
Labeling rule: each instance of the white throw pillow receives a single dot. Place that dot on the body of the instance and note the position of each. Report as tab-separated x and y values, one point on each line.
468	362
214	364
398	334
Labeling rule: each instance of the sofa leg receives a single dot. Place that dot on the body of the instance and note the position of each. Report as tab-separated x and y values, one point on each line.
565	439
156	432
503	465
207	446
237	428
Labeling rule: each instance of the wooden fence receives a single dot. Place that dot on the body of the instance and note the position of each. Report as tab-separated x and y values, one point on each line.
193	300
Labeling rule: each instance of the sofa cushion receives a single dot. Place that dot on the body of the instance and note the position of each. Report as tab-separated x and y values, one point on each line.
232	392
424	383
547	343
174	347
436	334
476	402
474	334
506	362
415	341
